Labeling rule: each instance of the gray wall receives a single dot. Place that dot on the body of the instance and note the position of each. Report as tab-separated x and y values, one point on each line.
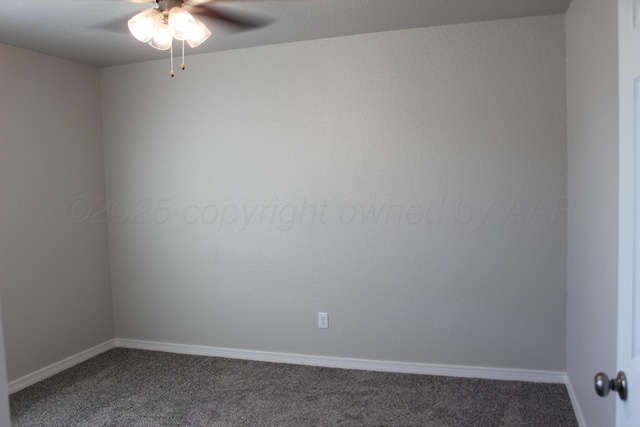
237	192
54	263
592	122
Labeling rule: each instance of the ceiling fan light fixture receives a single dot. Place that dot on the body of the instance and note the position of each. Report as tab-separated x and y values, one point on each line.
158	27
181	23
198	34
161	39
144	25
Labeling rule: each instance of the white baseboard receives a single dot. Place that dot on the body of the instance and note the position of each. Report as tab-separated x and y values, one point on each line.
60	366
302	359
348	363
577	409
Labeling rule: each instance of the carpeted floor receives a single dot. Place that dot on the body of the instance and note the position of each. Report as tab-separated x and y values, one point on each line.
125	387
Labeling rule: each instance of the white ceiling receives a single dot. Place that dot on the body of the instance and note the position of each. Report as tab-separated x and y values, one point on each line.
83	30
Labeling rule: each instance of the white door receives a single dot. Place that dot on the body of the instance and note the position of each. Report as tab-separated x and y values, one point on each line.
628	411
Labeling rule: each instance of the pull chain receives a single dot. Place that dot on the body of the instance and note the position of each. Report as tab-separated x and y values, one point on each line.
171	51
183	54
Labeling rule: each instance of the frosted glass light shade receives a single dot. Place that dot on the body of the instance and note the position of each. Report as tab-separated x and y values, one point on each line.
198	34
181	23
161	39
144	24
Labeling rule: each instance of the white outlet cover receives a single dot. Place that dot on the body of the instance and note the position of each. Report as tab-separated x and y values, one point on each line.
323	320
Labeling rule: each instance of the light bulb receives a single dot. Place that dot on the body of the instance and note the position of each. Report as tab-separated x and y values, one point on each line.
181	23
144	24
198	34
161	39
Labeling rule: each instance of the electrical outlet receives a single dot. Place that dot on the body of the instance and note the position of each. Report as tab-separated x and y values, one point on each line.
323	320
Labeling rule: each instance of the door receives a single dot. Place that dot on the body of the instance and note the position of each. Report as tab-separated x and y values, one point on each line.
628	411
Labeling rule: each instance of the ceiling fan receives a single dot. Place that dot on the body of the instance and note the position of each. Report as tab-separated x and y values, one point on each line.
176	19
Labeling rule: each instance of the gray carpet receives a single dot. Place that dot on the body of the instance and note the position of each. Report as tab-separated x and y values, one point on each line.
124	387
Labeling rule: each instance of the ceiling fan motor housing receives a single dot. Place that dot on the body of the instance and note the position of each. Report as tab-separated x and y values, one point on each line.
166	5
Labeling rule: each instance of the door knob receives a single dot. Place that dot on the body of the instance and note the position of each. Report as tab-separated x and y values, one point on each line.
604	385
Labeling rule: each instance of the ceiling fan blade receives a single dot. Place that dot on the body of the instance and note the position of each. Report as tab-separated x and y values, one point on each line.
203	2
239	20
105	1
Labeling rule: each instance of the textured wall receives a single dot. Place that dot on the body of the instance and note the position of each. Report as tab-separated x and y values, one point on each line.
411	183
54	264
592	122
